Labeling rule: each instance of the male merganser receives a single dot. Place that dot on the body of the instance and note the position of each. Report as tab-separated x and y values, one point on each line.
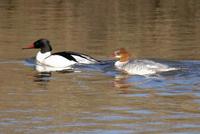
60	59
138	67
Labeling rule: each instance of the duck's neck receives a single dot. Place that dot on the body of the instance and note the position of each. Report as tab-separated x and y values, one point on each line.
40	57
122	61
119	64
124	58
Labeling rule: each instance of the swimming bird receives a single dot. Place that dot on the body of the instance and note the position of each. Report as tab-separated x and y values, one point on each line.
59	59
136	66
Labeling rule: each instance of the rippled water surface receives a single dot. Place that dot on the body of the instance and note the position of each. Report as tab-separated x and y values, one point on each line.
98	99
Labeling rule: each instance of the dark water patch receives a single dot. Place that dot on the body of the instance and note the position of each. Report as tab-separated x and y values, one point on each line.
31	62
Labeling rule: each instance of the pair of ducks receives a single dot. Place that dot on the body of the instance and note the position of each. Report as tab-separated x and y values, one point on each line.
66	59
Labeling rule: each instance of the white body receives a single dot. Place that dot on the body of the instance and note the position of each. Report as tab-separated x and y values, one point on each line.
46	68
142	67
60	61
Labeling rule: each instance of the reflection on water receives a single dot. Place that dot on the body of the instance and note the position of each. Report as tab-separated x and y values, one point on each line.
121	81
43	77
99	98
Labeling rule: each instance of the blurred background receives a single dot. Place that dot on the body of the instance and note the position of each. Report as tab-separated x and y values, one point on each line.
151	29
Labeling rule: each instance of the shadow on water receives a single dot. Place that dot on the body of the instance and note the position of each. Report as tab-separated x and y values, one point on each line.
185	78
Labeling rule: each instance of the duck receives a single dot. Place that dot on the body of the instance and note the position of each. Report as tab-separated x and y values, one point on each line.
63	59
138	66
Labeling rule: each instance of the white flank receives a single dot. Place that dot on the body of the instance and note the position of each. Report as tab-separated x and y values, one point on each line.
53	60
142	67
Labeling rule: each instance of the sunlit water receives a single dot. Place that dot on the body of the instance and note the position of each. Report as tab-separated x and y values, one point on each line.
98	99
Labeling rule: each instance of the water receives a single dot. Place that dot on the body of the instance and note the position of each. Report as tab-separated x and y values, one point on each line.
98	98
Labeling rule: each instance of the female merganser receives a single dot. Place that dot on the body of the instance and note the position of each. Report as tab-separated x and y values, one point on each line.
138	67
60	59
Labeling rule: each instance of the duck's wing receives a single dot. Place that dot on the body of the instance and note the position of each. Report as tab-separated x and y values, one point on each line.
77	57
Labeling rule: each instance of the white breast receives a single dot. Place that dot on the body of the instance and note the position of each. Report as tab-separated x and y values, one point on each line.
40	57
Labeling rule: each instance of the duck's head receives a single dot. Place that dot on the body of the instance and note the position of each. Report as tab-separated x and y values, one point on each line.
42	44
121	54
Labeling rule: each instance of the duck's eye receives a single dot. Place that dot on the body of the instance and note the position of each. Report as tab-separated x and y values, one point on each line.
37	45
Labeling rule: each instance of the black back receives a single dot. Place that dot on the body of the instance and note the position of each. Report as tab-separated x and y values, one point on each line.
69	55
